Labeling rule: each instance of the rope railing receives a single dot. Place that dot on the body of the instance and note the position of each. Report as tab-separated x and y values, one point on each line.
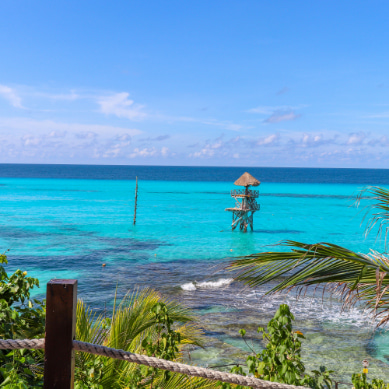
175	367
59	347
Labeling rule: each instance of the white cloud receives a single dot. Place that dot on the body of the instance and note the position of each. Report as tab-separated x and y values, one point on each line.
11	95
48	141
67	147
150	152
217	147
282	116
356	138
383	141
39	126
206	152
307	140
269	140
29	140
121	106
57	134
88	135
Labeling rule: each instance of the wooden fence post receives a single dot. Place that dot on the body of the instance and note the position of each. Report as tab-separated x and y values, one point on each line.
61	304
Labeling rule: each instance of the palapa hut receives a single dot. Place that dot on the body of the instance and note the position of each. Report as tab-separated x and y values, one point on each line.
244	202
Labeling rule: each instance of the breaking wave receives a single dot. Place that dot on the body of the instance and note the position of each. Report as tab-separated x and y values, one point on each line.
207	284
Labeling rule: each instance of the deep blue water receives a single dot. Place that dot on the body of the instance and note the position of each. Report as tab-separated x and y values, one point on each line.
202	174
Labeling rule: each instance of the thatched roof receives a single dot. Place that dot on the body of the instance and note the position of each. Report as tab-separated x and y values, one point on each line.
246	179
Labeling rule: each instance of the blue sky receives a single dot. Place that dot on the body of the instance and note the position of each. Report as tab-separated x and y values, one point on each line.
214	83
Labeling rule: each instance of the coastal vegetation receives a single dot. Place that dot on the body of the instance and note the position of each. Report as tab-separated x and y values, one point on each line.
280	360
143	322
20	318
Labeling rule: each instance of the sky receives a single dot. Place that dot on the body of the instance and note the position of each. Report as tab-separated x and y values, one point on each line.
195	82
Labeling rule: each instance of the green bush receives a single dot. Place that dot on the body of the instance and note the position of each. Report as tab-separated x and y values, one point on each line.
360	382
20	318
280	361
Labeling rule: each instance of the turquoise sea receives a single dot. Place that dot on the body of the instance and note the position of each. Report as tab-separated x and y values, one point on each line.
61	221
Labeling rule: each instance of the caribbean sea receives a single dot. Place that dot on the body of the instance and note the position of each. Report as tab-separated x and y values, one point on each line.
66	221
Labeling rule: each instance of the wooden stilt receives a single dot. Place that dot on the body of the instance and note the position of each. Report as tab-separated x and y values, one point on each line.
136	199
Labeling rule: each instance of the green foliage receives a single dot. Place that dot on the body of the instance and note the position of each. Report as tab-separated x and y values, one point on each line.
144	323
162	344
280	361
360	382
90	374
20	318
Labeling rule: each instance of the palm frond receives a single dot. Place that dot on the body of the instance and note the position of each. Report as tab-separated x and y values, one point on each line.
377	212
131	322
355	276
88	329
186	382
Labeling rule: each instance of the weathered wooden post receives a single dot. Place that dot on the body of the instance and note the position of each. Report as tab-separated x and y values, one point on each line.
61	304
136	199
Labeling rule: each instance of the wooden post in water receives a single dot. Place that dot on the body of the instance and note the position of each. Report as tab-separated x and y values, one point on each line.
136	199
61	304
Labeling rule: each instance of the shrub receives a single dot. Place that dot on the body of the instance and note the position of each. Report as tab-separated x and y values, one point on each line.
280	361
20	318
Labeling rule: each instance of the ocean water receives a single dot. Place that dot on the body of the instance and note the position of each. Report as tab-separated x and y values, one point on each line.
66	221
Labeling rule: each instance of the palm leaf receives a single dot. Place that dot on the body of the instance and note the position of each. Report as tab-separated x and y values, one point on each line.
377	212
355	276
131	322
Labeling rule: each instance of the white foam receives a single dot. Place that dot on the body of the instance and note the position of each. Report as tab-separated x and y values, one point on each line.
221	282
214	284
188	286
307	308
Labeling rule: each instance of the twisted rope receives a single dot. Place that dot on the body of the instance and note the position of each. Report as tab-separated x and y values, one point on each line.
152	362
17	344
179	367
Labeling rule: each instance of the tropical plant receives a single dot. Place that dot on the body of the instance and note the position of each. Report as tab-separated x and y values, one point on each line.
360	382
144	323
20	318
356	277
280	360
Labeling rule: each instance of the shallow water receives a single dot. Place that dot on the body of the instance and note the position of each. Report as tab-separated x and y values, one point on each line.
67	228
